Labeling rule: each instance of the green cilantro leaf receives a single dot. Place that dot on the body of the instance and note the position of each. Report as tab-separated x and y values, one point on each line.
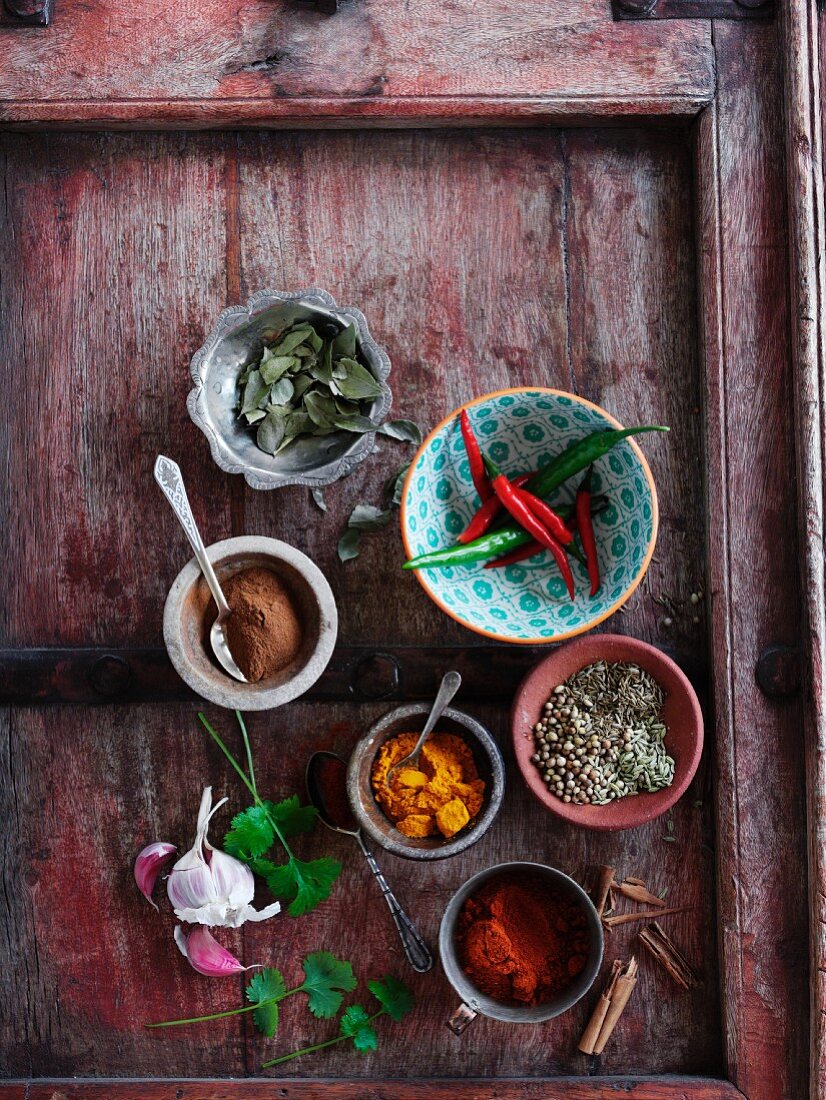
326	978
314	881
303	885
393	995
265	990
355	1025
250	835
291	817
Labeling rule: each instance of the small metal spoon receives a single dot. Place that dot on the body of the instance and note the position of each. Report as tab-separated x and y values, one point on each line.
414	946
168	476
451	682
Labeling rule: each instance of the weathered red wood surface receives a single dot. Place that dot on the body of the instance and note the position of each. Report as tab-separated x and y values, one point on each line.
753	573
532	309
804	28
481	258
273	62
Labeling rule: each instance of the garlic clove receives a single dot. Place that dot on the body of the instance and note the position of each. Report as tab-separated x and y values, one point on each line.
231	878
148	865
206	955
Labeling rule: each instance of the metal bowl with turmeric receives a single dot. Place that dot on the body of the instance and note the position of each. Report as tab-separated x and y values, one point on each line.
443	806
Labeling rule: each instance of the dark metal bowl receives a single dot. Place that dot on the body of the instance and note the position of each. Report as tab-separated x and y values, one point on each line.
369	814
477	1001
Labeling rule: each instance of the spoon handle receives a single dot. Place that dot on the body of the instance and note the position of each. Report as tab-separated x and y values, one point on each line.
168	476
451	682
414	946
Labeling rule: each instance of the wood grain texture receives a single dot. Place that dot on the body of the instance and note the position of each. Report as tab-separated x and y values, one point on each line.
564	1088
84	987
753	575
262	61
112	252
485	260
803	28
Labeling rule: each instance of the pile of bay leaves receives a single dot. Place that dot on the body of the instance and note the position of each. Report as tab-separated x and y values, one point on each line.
305	384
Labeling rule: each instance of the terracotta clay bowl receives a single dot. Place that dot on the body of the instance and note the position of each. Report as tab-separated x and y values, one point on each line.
681	715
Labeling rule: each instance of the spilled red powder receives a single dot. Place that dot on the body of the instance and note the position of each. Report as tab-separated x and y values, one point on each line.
520	940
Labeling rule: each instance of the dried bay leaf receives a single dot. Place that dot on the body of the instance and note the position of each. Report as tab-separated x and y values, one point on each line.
291	340
271	432
344	343
366	517
274	366
359	382
355	423
282	391
254	390
348	544
404	430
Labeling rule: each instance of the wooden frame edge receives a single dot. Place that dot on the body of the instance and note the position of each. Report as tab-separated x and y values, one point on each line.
332	112
807	256
560	1088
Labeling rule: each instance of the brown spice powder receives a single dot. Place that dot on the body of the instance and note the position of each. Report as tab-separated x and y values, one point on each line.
263	631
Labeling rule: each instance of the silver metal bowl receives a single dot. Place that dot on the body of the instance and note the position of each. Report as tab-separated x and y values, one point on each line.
473	1000
237	340
370	815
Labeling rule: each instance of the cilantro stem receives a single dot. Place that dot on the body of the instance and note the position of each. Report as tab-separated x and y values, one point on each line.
229	757
317	1046
249	783
246	738
229	1012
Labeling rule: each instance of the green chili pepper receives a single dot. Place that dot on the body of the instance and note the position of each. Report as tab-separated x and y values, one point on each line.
494	544
581	454
501	541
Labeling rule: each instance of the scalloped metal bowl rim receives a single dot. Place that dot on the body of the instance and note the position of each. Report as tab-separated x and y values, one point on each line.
230	693
394	842
583	627
233	316
512	1014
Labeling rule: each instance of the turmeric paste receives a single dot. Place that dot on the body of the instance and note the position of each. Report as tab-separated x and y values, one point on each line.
441	796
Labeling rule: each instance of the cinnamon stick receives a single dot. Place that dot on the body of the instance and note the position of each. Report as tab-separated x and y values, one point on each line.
623	989
663	949
644	914
603	888
594	1026
636	891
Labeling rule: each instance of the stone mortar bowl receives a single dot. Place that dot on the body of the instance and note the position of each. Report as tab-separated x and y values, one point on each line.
477	1002
238	338
370	816
190	611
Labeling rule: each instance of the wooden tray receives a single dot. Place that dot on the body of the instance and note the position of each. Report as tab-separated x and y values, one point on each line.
645	268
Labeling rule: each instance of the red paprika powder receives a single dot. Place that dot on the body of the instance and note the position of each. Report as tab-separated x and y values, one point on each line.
521	940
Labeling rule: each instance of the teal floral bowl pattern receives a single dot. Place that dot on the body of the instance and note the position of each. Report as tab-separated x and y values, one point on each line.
522	430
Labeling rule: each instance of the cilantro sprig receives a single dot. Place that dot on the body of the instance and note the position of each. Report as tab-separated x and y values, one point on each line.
356	1024
256	830
326	980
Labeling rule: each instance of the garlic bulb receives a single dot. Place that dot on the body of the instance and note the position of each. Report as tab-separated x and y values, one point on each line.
207	886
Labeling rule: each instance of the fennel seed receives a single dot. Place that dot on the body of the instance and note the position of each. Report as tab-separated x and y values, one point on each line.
601	735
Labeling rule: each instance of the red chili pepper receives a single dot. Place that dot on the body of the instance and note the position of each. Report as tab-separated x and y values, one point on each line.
548	516
586	530
510	497
485	515
477	465
529	550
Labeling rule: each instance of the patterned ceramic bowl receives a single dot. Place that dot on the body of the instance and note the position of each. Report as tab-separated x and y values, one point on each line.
521	430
